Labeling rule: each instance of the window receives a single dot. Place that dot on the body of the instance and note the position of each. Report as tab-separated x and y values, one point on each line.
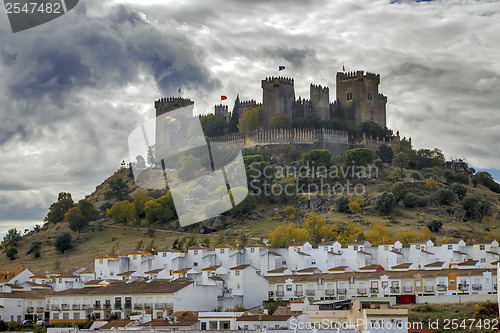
355	248
313	262
195	264
288	288
19	304
236	273
55	315
325	248
237	286
283	262
349	96
252	249
418	283
418	247
195	252
483	259
386	247
101	261
118	303
97	315
221	250
65	315
164	254
482	247
452	282
134	257
159	315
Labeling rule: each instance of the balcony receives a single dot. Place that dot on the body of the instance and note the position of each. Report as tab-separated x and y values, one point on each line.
107	306
374	290
441	287
407	289
97	307
54	307
159	305
39	309
169	305
329	291
86	307
342	291
310	292
64	306
463	286
361	290
477	286
298	293
394	289
428	288
148	305
128	306
76	306
138	306
47	307
118	306
30	309
280	293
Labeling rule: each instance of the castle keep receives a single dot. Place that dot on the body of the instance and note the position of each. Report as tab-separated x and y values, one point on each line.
357	100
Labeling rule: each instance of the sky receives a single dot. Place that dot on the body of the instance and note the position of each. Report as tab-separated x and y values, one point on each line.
73	89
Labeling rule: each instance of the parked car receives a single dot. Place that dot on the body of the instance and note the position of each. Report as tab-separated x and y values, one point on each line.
27	322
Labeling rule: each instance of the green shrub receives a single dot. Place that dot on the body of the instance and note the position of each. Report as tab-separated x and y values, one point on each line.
445	196
63	242
422	201
386	203
399	190
410	200
342	204
434	225
460	190
415	175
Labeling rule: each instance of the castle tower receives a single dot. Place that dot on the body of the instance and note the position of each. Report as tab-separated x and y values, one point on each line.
320	101
359	98
222	111
278	96
164	105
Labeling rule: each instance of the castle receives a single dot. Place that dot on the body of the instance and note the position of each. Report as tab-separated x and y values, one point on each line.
357	100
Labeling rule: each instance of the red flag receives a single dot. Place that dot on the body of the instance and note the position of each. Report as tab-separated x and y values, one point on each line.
179	90
223	97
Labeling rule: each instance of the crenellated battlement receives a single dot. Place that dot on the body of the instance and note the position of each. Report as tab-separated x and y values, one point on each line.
357	75
278	80
322	90
179	100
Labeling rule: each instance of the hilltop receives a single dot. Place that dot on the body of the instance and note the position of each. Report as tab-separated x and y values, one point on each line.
104	235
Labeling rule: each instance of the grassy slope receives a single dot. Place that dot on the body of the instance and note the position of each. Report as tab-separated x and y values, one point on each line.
93	242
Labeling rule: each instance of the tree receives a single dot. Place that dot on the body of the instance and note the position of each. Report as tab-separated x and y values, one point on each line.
12	237
63	242
399	190
484	178
118	189
121	211
281	121
358	157
260	174
287	234
385	203
434	225
460	190
342	204
88	210
317	158
483	208
189	166
410	200
355	205
140	199
385	153
243	240
316	228
153	211
235	116
380	233
251	120
63	195
11	252
445	196
75	219
58	209
406	238
289	211
212	125
401	160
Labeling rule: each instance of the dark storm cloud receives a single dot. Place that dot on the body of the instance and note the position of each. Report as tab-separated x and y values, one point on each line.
294	56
